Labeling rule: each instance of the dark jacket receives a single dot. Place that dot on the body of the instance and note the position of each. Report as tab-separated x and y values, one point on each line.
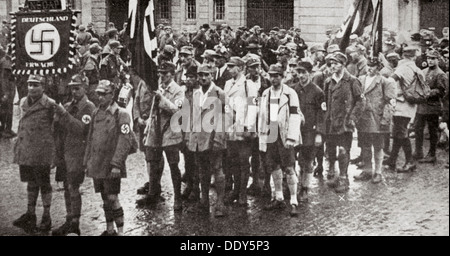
343	100
35	143
75	126
311	99
437	80
109	142
378	108
222	79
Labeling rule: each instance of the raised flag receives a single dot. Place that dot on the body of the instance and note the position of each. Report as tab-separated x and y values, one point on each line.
377	31
143	44
360	15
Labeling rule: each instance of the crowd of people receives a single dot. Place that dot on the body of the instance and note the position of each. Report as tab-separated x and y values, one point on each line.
248	103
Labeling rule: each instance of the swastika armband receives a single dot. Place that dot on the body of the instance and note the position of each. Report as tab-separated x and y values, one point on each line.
125	129
86	119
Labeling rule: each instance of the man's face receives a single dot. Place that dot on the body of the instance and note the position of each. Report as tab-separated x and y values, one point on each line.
168	31
291	69
191	81
116	50
105	99
234	70
298	33
253	70
35	90
185	59
393	61
165	76
220	62
275	79
273	34
320	56
336	67
303	75
281	34
372	70
204	79
77	92
355	56
432	61
209	62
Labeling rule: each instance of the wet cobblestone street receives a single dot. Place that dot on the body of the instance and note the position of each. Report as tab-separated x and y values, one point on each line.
414	203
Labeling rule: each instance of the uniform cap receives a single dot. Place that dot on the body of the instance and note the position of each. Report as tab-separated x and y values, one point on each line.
187	50
410	49
169	49
78	79
339	57
393	55
208	54
333	48
235	61
253	62
204	69
353	36
104	86
35	79
433	53
167	67
205	26
276	69
112	32
115	44
316	48
95	48
305	65
293	61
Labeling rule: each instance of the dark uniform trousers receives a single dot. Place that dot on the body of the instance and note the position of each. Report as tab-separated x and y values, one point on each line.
209	162
154	156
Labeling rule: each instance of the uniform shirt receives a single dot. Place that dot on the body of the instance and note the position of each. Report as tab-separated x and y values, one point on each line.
405	71
369	80
274	103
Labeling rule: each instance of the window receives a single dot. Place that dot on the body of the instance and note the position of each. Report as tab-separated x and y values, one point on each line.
191	10
163	9
219	10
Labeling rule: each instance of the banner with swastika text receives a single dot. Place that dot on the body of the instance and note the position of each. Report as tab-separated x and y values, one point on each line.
43	42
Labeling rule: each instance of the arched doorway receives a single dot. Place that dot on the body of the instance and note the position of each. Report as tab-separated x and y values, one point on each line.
270	13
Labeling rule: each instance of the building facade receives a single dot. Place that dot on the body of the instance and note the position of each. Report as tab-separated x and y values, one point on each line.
313	17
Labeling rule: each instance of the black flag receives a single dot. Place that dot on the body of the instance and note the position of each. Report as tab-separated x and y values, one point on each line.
360	16
377	31
143	44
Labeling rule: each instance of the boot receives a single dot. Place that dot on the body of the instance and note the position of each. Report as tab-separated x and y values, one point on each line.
343	185
318	171
363	176
304	195
408	167
62	230
429	159
144	189
27	222
46	223
176	182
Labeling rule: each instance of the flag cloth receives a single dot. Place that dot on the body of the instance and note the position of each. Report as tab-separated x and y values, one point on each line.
360	15
377	31
143	44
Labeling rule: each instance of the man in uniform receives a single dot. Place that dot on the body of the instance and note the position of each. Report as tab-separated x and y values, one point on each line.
92	71
74	119
7	94
256	80
343	98
110	140
312	104
222	74
186	58
406	73
208	143
279	132
33	152
110	67
241	129
161	136
430	111
374	123
301	45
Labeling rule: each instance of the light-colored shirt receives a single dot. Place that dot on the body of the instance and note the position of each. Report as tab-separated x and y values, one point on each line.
369	80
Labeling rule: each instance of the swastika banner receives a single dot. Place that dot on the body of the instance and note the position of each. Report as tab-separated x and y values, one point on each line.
43	42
